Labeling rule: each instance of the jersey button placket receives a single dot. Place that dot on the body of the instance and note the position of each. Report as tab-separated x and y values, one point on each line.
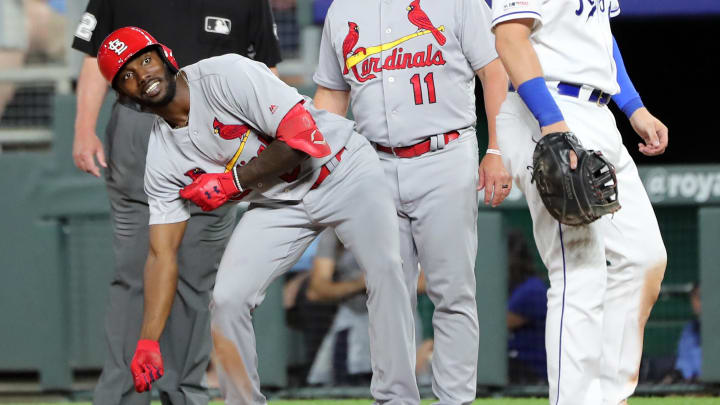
388	86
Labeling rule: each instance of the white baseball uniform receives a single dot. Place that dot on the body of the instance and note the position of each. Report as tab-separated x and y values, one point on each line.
410	68
604	276
236	105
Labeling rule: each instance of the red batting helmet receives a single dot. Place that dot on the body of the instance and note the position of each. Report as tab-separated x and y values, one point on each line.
124	43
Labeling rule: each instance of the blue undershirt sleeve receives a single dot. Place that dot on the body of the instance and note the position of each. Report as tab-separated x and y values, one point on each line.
628	100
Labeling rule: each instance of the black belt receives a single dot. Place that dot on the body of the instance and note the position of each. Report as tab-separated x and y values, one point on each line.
573	90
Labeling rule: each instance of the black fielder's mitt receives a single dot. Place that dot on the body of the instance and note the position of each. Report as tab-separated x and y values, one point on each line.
573	197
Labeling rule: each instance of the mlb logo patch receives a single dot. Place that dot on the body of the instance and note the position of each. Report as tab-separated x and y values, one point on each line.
218	25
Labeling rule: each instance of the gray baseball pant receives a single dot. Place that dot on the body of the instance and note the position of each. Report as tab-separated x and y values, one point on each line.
436	200
271	237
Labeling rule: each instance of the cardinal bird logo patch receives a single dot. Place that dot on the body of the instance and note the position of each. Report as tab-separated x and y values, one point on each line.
418	17
363	63
226	131
194	173
229	132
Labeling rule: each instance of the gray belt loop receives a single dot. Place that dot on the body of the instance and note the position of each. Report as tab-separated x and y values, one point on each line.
440	141
434	143
332	163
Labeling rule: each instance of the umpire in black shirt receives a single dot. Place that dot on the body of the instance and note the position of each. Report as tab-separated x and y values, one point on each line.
194	30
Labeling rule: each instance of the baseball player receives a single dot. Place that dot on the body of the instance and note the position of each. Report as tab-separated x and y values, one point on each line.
191	29
565	67
228	129
409	67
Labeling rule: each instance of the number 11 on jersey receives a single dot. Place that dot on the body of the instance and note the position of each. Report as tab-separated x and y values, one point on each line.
417	88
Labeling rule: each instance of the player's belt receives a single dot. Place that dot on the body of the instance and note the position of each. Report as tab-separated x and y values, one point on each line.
327	169
432	143
575	90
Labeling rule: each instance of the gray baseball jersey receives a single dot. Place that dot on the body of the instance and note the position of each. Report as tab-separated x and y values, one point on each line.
407	82
236	107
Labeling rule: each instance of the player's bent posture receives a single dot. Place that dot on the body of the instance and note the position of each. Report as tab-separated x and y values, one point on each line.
409	69
605	276
230	130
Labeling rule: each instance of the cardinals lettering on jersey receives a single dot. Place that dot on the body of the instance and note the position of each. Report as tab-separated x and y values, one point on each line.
397	59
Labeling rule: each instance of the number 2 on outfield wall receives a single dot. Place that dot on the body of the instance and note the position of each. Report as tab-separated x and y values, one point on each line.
417	88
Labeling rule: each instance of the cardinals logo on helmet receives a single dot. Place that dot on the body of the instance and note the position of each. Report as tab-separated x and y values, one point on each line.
117	46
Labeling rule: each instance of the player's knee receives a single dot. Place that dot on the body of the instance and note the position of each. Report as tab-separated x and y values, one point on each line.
656	268
653	258
452	297
384	273
230	301
652	264
661	261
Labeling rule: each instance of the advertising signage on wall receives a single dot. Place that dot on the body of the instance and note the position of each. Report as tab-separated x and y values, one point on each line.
691	185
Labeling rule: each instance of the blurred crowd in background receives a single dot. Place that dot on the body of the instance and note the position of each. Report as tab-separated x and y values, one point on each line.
323	296
36	60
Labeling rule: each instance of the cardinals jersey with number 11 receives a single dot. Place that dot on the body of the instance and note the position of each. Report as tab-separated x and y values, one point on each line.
409	64
572	38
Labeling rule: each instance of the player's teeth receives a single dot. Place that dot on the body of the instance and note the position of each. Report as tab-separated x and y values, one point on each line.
151	88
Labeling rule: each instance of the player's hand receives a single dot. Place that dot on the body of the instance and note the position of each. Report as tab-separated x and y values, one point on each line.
494	178
653	132
210	190
147	364
86	148
560	126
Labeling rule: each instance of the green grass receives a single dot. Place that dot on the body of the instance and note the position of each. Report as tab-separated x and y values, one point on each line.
516	401
498	401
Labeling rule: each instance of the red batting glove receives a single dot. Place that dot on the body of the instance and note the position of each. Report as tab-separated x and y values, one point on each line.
211	190
147	365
